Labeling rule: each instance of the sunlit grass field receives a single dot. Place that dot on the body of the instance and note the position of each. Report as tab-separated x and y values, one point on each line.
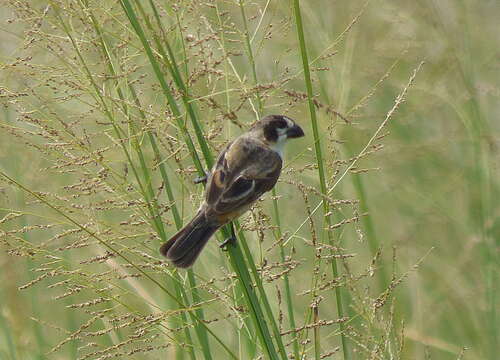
380	240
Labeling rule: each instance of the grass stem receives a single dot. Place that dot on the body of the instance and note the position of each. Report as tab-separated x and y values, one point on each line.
320	164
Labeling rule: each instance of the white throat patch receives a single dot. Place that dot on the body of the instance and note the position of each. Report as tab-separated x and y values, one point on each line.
280	143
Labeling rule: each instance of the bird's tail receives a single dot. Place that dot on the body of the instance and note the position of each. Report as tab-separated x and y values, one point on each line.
185	246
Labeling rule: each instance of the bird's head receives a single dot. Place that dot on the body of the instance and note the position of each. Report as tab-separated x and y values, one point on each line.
275	130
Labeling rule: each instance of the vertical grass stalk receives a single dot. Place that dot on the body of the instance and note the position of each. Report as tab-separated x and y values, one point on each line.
286	280
235	253
320	162
251	58
148	182
257	277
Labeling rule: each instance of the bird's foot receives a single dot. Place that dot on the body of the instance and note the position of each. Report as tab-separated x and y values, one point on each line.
229	241
201	179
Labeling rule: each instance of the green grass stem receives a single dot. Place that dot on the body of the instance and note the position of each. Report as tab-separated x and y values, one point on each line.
237	259
286	280
320	163
251	57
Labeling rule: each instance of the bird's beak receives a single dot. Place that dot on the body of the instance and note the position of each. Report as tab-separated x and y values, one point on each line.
294	132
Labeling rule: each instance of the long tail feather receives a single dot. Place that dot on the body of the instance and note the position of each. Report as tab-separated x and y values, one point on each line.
185	246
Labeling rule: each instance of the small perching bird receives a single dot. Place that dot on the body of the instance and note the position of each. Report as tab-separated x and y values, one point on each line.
247	168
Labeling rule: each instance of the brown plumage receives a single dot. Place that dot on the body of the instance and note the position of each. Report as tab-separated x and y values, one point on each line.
247	168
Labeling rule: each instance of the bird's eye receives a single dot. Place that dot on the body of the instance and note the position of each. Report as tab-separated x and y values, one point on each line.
281	123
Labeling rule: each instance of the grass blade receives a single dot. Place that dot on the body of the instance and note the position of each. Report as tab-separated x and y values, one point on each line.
234	251
320	163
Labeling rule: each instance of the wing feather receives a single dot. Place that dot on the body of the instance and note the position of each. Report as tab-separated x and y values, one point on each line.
244	171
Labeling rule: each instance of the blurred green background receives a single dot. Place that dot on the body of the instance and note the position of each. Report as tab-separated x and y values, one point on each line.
431	192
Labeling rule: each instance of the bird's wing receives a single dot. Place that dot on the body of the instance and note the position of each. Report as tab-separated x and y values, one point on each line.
244	171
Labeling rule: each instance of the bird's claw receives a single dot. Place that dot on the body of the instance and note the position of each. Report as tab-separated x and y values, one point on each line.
201	179
229	241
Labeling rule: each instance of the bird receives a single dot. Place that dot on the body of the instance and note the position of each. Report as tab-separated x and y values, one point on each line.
248	167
